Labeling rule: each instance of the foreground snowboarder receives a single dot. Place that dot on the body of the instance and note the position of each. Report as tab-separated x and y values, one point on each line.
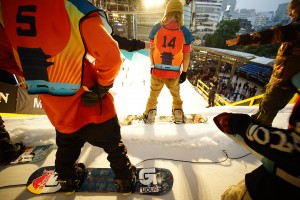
278	176
46	42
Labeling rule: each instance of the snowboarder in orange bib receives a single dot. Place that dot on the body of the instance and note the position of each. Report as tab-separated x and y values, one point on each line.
170	58
47	43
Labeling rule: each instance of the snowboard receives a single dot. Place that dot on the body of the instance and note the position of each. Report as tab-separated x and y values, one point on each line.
160	119
33	154
150	181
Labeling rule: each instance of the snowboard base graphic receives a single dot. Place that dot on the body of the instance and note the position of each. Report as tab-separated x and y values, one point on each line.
150	181
188	119
33	154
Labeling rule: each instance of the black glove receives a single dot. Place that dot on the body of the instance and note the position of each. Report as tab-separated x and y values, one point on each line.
182	77
91	97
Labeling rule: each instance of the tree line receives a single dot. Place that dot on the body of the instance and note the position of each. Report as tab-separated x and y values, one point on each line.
227	29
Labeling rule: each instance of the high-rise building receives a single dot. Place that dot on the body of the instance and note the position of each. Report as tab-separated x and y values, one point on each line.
262	19
228	5
188	15
208	14
135	18
248	12
282	12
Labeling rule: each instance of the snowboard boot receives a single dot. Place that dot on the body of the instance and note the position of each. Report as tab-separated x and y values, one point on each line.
150	118
70	185
18	150
178	116
8	151
126	186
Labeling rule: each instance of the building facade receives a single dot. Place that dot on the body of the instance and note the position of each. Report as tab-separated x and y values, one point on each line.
228	5
136	18
208	15
282	12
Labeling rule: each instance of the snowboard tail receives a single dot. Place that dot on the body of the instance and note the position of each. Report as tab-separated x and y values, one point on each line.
33	154
150	181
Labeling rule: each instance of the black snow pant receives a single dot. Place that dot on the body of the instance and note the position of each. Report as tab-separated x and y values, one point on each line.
7	148
211	99
104	135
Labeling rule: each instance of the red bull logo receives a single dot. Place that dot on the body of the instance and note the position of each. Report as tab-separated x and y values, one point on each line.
40	182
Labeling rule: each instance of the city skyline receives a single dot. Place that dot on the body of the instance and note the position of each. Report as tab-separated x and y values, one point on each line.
260	5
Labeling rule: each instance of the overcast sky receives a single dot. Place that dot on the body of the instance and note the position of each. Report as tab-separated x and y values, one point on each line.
260	5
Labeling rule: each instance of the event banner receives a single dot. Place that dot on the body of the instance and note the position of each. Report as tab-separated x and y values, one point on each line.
14	99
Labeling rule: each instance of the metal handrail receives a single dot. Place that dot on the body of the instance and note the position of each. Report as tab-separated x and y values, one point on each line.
202	88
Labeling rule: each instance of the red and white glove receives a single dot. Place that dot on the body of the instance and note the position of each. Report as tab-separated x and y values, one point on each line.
221	121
